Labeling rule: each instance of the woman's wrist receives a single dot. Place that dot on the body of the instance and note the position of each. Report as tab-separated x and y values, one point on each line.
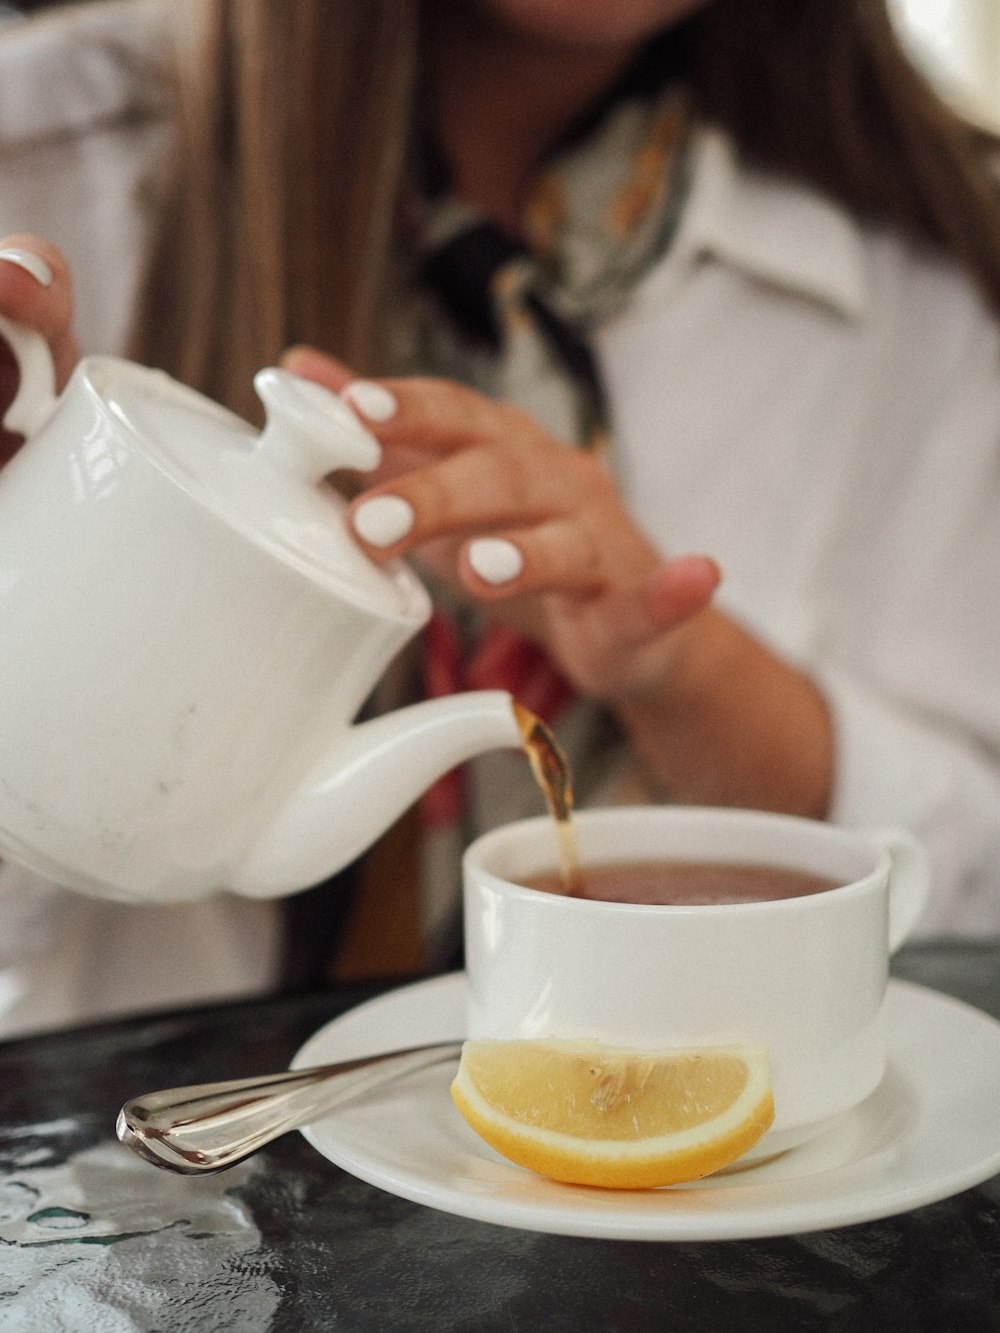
718	719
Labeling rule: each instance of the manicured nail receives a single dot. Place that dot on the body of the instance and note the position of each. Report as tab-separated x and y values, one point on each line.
30	262
371	400
383	520
495	559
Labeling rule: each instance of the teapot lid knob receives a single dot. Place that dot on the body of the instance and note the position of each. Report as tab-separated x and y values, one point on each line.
309	431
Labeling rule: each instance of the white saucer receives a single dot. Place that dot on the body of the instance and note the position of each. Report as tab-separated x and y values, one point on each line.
929	1131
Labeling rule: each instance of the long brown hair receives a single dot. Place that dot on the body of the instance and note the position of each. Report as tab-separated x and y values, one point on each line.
821	90
277	224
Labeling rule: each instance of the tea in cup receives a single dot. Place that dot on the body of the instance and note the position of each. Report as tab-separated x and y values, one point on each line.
694	927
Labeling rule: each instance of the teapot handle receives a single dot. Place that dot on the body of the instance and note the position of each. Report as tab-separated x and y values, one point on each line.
36	394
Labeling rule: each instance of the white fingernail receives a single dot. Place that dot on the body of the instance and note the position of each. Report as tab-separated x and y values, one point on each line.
30	262
371	400
384	519
495	559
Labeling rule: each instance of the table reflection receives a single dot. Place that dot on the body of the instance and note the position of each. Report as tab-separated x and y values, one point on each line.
93	1238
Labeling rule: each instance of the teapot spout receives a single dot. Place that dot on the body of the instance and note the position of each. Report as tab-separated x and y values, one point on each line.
362	786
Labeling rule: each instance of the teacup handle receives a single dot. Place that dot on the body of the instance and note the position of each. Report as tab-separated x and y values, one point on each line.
36	394
909	882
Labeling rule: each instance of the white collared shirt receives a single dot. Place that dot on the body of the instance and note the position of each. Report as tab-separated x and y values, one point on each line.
814	403
817	405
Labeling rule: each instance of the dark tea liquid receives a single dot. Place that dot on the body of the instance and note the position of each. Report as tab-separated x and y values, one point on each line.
668	883
551	769
685	883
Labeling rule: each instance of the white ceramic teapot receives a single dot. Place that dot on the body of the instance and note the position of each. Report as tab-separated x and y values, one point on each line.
187	631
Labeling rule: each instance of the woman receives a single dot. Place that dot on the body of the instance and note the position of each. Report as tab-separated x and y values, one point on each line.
738	254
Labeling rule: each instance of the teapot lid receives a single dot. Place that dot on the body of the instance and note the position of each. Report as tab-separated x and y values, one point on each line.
270	486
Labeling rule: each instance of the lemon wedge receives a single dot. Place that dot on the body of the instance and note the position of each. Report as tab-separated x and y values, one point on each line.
590	1114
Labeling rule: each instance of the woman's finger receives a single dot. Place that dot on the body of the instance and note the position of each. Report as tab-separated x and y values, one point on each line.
680	587
651	596
317	366
418	411
629	617
438	415
563	555
36	290
480	489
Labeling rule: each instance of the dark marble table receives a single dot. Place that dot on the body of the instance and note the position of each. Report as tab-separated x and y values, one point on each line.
93	1240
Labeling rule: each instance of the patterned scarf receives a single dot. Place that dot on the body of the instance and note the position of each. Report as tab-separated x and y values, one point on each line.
513	317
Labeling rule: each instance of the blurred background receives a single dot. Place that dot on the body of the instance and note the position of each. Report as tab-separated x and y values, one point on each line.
956	42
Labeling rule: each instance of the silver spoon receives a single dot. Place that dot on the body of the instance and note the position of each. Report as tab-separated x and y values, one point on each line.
210	1126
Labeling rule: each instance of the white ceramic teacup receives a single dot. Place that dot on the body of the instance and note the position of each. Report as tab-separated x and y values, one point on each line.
803	976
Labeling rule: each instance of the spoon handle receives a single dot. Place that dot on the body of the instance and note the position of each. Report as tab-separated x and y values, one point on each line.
210	1126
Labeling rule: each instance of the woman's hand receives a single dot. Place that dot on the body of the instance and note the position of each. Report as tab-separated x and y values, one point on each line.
536	531
35	290
496	507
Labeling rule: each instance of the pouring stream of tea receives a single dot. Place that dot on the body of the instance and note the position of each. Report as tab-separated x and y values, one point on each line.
552	773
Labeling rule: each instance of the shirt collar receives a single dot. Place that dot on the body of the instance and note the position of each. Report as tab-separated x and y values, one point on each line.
774	229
